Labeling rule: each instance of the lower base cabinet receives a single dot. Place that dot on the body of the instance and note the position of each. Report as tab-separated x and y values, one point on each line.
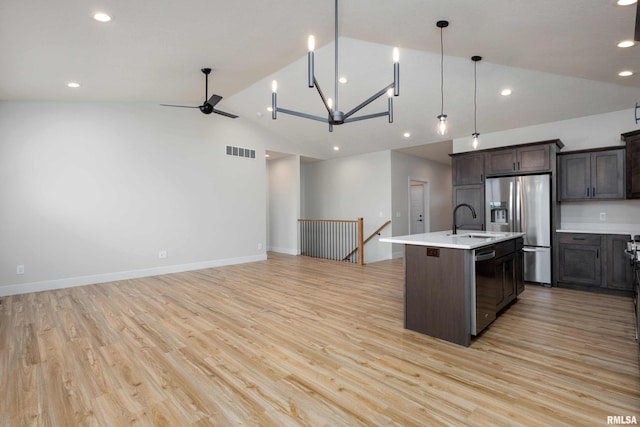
594	262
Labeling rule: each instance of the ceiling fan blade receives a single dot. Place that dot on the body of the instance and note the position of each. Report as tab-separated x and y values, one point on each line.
637	34
214	100
179	106
223	113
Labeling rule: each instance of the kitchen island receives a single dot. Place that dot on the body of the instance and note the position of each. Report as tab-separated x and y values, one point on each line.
455	284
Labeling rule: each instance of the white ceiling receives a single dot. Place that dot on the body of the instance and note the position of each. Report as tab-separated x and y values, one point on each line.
559	57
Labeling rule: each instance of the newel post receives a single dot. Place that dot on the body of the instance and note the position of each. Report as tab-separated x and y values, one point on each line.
360	241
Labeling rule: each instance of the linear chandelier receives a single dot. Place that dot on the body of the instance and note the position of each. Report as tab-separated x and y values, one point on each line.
334	115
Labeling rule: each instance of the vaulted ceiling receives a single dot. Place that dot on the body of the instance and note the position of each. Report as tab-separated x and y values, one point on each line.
559	58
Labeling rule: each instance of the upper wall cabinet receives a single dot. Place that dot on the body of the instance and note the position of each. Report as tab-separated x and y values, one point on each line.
592	174
632	140
529	158
468	168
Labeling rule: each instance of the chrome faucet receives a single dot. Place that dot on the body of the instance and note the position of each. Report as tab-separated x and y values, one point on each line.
473	213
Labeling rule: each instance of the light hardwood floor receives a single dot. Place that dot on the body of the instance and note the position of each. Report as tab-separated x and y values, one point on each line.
298	341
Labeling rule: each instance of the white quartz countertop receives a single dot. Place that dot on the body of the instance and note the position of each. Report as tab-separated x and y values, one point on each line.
464	239
600	228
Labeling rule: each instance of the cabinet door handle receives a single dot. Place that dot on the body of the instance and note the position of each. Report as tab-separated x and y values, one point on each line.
481	177
579	238
597	253
593	192
588	191
518	165
514	165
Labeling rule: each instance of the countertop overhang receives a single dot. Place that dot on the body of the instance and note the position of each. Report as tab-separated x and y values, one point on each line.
464	239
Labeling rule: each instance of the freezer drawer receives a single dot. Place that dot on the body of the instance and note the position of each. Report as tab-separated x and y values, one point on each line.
537	264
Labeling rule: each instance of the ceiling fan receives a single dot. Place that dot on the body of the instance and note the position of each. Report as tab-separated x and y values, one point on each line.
209	103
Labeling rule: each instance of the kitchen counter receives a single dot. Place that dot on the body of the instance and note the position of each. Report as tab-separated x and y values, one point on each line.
464	239
455	284
600	228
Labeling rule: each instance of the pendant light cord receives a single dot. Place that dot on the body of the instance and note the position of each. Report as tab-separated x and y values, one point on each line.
475	96
441	74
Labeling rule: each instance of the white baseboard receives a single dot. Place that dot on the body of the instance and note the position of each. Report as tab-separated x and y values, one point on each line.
286	251
47	285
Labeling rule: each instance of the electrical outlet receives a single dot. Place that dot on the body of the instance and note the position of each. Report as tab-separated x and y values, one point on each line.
603	216
259	246
19	269
162	254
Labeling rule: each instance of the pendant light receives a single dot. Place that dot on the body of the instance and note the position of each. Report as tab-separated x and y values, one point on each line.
442	118
475	133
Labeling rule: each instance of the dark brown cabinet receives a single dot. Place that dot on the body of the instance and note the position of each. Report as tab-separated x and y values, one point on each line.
508	272
580	262
617	267
506	286
468	168
519	267
468	187
474	196
592	174
632	141
530	158
594	262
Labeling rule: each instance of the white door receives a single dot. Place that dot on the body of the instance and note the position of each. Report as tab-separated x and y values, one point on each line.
416	210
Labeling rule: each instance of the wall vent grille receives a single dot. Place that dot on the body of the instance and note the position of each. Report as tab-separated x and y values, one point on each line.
241	152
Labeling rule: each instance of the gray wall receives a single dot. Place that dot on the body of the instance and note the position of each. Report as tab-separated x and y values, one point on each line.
349	188
284	204
93	191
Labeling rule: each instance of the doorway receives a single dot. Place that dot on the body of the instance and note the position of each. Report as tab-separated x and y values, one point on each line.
418	206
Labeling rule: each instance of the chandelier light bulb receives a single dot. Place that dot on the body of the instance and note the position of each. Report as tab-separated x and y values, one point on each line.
330	103
274	86
311	43
396	55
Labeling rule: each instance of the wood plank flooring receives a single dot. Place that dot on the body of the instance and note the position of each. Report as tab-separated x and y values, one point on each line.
296	341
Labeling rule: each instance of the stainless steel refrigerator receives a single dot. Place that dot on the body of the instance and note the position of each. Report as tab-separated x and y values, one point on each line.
523	203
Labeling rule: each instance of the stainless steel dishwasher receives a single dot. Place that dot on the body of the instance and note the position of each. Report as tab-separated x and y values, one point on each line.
485	279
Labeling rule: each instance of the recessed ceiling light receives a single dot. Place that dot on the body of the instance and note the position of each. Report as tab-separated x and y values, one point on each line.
406	135
505	92
73	85
626	43
343	80
269	109
626	2
625	73
102	17
336	148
